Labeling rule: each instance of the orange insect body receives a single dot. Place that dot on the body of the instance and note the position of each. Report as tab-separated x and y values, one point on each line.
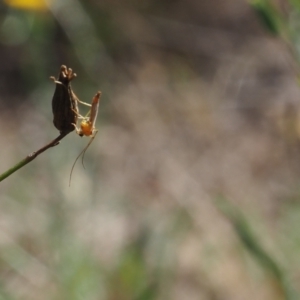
86	128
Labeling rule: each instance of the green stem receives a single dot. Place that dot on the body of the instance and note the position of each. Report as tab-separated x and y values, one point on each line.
31	157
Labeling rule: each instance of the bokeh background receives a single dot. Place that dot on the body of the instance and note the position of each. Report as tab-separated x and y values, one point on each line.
191	187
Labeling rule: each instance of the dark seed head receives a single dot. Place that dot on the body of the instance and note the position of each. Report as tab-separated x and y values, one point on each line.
64	103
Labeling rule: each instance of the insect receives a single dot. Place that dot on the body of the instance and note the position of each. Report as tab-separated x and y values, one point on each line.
87	127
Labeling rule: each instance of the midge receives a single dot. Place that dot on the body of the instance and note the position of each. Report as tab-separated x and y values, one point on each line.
87	127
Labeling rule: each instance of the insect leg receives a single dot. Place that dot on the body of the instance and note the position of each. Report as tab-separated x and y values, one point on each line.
84	150
84	103
81	153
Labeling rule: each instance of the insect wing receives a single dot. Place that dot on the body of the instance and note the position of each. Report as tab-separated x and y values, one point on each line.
94	109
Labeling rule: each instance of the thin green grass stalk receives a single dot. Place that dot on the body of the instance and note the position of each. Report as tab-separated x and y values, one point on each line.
280	23
252	244
268	15
31	157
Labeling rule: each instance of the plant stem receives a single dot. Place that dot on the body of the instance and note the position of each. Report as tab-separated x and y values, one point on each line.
32	156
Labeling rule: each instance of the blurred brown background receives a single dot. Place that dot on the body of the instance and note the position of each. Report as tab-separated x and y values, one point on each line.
199	103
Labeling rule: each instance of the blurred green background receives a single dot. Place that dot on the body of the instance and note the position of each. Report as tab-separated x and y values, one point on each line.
191	187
